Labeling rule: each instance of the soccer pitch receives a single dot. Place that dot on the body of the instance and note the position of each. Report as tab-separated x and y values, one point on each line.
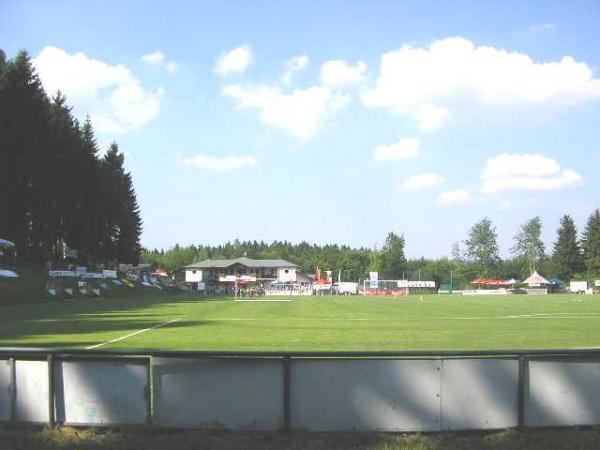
184	322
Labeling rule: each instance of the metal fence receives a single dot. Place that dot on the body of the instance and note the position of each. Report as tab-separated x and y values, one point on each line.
332	391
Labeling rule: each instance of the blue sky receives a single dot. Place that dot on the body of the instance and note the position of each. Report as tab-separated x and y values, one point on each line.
333	121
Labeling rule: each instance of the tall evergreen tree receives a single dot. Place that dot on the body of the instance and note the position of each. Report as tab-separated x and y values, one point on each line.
92	196
567	259
130	224
55	190
591	243
24	134
528	244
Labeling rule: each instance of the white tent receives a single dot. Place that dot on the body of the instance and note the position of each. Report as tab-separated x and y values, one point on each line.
536	280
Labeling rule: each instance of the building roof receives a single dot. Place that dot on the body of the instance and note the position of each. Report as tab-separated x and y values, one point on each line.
248	262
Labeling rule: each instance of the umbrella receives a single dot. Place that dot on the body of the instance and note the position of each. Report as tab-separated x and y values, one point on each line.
6	244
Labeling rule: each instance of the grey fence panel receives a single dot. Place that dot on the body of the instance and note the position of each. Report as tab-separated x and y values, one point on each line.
102	392
375	395
231	393
562	393
32	401
479	394
5	390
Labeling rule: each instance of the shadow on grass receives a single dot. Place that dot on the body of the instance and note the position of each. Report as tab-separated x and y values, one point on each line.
30	324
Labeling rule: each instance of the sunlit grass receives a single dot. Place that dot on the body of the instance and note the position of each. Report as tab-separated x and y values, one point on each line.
433	322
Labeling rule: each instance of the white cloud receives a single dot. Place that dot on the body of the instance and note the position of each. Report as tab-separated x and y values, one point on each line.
112	96
430	117
296	64
301	112
236	60
404	149
172	67
219	163
526	172
542	28
338	73
154	58
456	197
420	182
457	77
159	59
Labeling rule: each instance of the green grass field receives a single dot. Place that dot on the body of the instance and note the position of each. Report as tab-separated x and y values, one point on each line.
189	322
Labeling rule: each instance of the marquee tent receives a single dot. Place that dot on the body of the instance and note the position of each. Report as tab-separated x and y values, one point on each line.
536	280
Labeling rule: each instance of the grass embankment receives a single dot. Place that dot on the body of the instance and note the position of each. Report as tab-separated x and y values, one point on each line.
33	282
69	438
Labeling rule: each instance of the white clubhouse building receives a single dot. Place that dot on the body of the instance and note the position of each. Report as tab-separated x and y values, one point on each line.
214	275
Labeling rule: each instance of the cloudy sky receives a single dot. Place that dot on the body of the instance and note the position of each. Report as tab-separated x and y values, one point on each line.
334	122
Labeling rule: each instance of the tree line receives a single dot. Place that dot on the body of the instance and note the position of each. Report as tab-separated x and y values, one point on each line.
571	257
58	192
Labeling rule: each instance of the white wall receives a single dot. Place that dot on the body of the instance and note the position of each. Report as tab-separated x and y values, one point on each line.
193	276
289	277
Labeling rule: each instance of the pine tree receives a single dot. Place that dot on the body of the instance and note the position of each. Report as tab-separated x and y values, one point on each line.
130	224
591	243
24	134
92	219
567	259
55	190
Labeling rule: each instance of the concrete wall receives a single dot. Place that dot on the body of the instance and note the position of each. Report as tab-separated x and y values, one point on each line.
562	393
331	394
479	394
388	395
32	396
231	393
5	390
101	392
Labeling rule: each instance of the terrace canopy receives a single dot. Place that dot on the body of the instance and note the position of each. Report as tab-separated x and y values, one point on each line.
491	282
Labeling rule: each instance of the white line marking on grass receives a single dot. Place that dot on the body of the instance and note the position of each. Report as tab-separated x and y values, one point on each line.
263	301
91	347
563	316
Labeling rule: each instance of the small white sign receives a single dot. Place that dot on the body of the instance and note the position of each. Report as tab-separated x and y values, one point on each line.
416	284
92	275
109	273
62	273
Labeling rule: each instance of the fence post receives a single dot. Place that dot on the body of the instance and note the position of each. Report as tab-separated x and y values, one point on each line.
286	392
51	392
13	390
150	393
521	392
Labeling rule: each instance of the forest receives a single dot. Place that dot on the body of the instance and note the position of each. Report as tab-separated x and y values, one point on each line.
61	195
572	256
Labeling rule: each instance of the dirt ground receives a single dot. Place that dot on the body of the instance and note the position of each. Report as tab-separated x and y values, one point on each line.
70	438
